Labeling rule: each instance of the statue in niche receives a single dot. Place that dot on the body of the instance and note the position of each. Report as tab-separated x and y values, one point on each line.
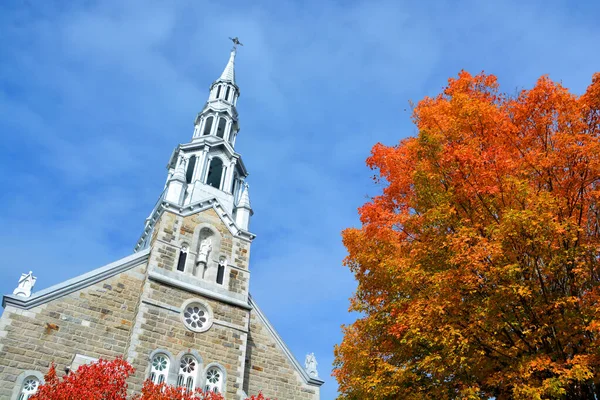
205	249
310	365
26	283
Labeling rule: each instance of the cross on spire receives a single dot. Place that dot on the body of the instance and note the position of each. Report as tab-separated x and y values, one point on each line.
236	42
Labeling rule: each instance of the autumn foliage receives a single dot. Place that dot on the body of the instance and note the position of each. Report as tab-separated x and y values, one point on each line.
107	380
478	266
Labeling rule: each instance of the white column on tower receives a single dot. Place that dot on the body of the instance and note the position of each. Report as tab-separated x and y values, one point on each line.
228	130
224	173
200	164
228	180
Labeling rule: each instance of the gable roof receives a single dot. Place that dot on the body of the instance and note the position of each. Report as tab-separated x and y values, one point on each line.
307	378
77	283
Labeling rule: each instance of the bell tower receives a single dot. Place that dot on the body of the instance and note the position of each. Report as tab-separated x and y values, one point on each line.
199	228
208	166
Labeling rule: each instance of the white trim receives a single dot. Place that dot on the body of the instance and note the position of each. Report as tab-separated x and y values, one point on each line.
158	274
77	283
196	376
172	368
209	318
191	209
21	379
216	365
307	378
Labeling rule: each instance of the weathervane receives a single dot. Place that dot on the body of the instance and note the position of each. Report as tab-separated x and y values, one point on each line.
236	42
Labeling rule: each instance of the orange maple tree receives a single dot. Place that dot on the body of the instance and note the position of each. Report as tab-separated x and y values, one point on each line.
107	380
478	265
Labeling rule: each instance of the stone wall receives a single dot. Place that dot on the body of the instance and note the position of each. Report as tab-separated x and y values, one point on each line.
269	370
95	321
159	326
159	323
173	231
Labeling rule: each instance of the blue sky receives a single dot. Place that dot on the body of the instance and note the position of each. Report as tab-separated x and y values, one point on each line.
94	96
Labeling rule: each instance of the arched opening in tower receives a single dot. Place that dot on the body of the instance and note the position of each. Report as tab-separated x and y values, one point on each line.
215	170
208	126
221	127
190	170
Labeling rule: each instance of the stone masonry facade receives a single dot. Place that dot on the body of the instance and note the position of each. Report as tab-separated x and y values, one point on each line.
96	321
138	311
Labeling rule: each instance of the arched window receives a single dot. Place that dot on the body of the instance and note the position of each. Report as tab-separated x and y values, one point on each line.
188	369
215	170
214	380
221	270
218	91
182	258
159	368
221	127
208	125
190	169
29	387
227	93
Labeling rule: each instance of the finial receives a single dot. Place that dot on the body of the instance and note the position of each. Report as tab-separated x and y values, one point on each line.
236	42
26	283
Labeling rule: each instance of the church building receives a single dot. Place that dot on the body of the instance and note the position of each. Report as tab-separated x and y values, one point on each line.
178	308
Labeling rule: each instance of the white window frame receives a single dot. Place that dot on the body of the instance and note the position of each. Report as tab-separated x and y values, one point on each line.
220	386
155	373
188	379
18	390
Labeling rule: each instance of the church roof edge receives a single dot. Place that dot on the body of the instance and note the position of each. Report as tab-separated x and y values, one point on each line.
77	283
307	378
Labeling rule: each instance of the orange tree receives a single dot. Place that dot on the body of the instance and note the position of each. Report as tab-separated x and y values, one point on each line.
478	265
107	380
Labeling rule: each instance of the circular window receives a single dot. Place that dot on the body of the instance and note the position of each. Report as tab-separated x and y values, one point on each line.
188	364
196	316
160	362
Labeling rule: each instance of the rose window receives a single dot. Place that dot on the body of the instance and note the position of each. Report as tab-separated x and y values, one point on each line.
214	380
196	316
30	385
188	364
160	363
29	388
213	376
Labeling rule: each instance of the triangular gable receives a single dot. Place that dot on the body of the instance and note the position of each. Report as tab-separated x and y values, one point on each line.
187	210
307	378
77	283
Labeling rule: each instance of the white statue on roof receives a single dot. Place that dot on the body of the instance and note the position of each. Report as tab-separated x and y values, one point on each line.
310	364
26	283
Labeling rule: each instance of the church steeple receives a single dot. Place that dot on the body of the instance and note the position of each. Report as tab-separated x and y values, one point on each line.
228	74
208	166
222	100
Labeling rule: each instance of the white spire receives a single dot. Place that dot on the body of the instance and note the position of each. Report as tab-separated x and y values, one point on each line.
228	74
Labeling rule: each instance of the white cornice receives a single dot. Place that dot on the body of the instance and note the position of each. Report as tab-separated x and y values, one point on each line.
191	209
162	276
77	283
220	106
212	142
307	378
